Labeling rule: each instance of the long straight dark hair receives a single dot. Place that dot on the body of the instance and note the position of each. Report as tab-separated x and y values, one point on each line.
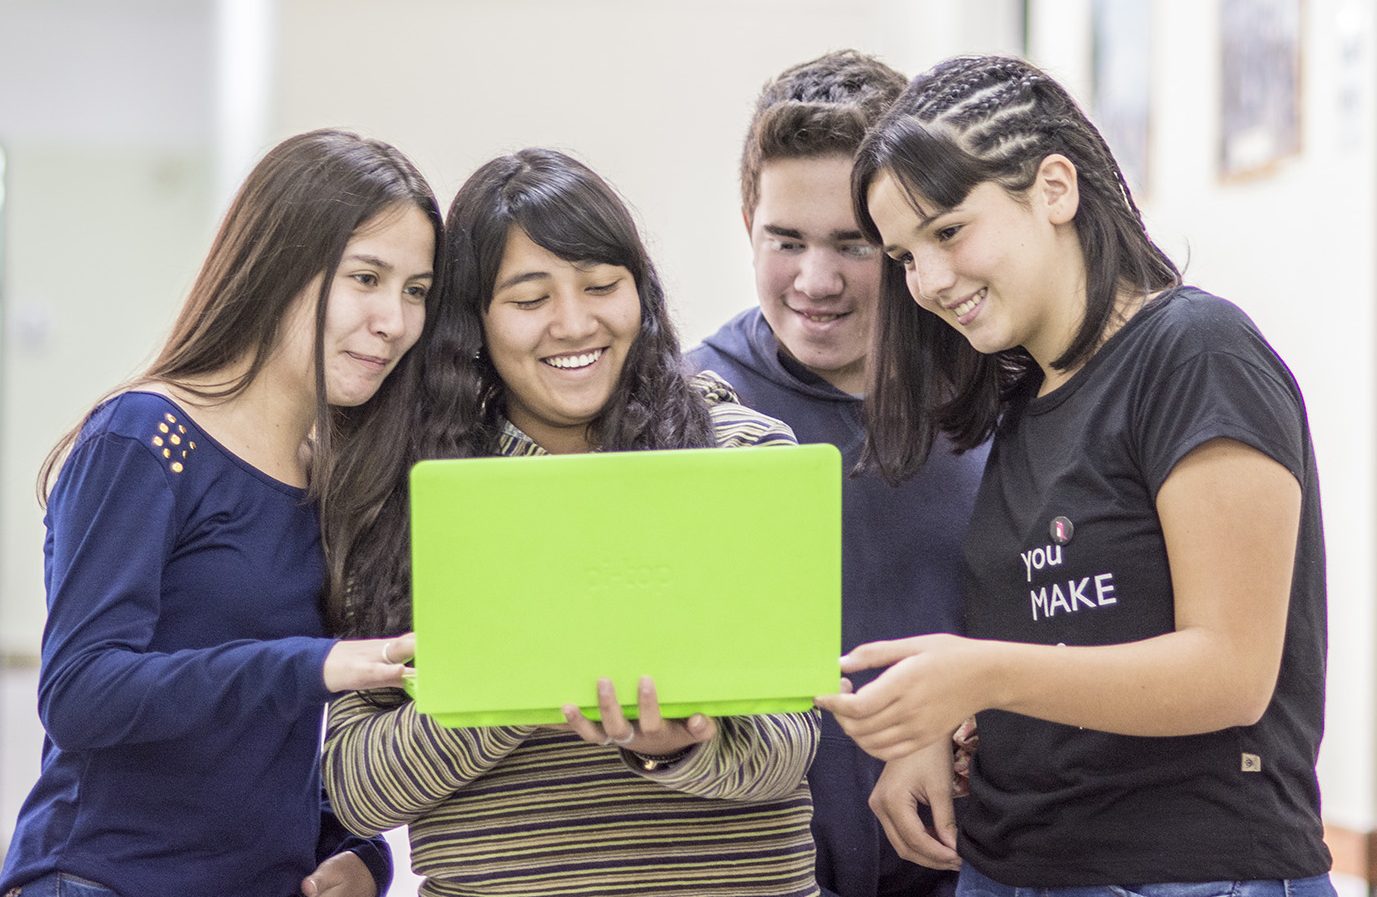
290	222
567	209
965	122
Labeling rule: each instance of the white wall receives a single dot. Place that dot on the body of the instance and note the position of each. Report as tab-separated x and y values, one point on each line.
105	117
654	96
1294	248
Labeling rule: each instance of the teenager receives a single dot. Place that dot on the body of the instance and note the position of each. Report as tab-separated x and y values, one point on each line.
801	355
555	338
1145	566
185	663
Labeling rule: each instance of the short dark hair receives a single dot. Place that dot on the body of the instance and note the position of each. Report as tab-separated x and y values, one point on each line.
968	121
567	209
817	108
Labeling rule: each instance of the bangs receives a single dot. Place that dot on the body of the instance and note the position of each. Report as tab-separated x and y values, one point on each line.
580	226
934	170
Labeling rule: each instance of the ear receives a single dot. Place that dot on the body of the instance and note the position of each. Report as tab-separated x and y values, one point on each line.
746	219
1057	189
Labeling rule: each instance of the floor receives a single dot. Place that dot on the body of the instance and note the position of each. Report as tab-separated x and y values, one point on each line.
21	738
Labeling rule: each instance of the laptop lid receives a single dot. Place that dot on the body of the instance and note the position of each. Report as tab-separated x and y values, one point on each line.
716	571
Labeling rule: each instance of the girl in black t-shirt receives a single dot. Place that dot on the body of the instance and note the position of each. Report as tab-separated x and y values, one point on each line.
1144	569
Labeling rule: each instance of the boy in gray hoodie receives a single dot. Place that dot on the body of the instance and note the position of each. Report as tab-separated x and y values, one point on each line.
800	356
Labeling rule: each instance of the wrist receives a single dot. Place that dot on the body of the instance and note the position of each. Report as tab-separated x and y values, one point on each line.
660	762
995	677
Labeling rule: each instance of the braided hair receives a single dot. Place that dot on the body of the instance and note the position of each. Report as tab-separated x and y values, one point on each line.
968	121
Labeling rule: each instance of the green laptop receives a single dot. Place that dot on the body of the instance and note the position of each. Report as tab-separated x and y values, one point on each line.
716	571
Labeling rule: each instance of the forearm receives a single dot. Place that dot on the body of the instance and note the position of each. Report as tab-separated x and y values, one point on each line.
385	766
96	697
752	758
1181	683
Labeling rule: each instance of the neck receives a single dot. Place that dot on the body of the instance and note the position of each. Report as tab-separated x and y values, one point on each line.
265	424
1127	303
554	440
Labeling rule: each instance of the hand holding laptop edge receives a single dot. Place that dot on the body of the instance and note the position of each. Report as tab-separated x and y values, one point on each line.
651	735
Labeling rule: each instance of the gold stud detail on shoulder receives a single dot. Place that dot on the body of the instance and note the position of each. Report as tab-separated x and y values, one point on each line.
169	441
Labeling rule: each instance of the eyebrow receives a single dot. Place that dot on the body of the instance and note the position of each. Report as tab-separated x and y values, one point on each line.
377	262
519	279
792	234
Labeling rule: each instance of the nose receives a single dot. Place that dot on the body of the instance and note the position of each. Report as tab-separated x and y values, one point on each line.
386	315
818	277
930	276
572	319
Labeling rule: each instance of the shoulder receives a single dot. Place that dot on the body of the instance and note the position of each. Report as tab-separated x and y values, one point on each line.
137	423
734	424
1193	321
729	344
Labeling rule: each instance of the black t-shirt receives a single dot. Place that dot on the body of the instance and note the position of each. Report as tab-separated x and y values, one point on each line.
1065	548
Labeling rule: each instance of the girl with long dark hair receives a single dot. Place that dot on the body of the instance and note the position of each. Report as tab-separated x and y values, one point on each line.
1145	566
185	660
555	338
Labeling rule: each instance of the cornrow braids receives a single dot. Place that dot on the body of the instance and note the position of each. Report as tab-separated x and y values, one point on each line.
967	121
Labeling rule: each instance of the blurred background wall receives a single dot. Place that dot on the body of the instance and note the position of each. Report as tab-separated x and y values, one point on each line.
125	127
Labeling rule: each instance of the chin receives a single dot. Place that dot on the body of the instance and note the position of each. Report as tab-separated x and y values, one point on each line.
351	399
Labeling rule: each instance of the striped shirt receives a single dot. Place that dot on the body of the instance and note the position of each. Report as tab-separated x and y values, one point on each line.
524	810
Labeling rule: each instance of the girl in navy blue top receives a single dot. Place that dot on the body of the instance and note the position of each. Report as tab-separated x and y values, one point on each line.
1144	570
185	660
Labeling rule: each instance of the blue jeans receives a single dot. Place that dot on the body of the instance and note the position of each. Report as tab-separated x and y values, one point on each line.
974	884
60	884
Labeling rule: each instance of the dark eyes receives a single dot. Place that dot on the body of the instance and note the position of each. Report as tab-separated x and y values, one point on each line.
604	289
370	280
947	233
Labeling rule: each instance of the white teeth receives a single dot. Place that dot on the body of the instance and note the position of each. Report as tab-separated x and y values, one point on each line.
821	319
969	305
573	362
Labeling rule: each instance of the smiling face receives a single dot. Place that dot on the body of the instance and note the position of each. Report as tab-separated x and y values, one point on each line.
374	312
1003	271
816	277
558	333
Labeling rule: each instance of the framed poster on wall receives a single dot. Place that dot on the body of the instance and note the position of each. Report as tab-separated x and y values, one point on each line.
1259	84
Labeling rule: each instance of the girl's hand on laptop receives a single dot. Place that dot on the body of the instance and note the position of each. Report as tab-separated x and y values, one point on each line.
651	735
368	663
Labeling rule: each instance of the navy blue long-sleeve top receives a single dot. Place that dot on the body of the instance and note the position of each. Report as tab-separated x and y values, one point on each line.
182	682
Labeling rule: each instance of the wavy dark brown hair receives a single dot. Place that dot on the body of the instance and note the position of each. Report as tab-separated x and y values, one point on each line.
567	209
289	223
968	121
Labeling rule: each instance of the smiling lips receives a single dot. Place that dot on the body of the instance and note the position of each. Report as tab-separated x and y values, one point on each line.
574	361
963	310
820	317
372	361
